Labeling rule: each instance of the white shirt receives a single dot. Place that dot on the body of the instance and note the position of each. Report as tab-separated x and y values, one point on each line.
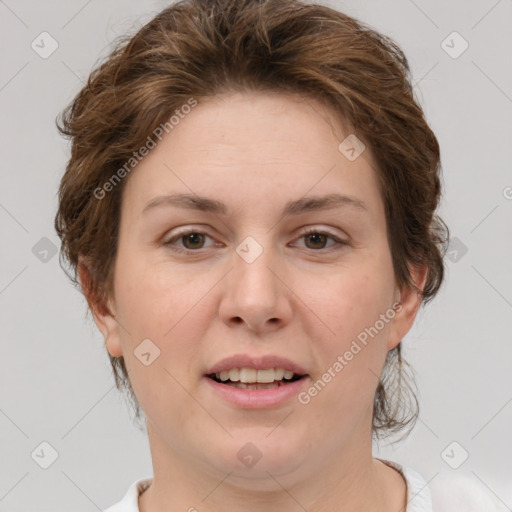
449	494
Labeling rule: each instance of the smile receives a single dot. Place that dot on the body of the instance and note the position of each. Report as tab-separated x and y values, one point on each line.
250	378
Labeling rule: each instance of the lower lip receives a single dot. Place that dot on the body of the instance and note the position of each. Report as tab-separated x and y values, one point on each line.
257	398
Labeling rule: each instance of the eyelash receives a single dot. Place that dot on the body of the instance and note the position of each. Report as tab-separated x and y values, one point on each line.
310	231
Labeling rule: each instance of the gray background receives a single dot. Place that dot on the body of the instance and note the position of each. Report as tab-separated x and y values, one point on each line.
56	384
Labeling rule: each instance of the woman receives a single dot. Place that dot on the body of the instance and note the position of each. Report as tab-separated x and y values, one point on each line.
250	211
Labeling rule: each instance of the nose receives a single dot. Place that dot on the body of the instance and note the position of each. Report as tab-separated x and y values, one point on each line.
256	294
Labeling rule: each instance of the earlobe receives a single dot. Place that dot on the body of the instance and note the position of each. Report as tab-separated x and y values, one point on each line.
113	345
409	303
103	314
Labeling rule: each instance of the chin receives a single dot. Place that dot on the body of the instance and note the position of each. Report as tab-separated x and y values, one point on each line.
250	458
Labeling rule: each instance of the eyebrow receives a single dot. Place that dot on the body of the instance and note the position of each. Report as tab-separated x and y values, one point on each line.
305	204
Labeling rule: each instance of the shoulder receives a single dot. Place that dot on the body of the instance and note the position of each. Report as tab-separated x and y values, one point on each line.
418	494
447	492
454	492
130	501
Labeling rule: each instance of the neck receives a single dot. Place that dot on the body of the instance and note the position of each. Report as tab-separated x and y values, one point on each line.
352	482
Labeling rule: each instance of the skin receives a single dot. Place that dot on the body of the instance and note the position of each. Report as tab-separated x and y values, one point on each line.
302	298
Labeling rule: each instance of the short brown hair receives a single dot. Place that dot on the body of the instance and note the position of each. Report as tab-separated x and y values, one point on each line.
201	48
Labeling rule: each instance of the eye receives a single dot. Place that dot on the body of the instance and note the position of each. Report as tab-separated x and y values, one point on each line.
317	239
194	240
191	241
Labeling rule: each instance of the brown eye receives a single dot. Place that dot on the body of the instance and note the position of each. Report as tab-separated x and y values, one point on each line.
318	240
188	242
193	240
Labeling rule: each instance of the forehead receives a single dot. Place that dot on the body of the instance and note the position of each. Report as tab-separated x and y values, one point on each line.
246	122
253	146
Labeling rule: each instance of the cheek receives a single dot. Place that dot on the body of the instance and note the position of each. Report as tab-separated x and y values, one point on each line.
353	300
351	359
351	305
156	301
155	306
151	295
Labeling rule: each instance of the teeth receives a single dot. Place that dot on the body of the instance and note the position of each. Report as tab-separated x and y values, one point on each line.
250	375
265	376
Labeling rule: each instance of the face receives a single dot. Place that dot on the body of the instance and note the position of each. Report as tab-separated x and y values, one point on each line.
257	277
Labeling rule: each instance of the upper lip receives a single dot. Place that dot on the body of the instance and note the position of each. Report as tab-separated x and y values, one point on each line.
258	363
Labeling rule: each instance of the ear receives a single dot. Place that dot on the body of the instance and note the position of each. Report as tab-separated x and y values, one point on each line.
103	313
409	304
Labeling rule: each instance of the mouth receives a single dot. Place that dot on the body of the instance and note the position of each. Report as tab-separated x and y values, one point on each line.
256	382
252	379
